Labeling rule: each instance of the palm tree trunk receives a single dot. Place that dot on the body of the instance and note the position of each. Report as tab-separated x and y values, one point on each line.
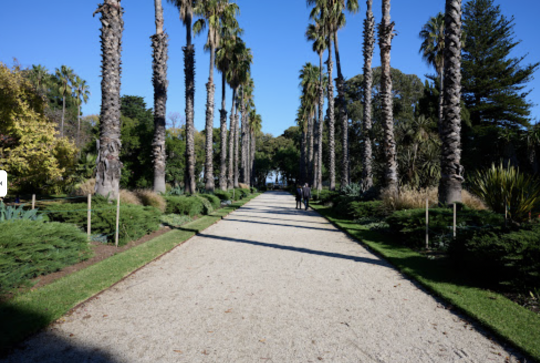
223	125
63	113
159	45
310	151
230	179
189	72
253	150
321	124
236	149
209	166
343	116
440	71
451	169
331	130
386	33
108	164
313	180
369	46
302	171
243	169
78	125
248	155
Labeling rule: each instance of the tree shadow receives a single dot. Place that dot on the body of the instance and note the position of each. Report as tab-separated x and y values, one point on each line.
282	219
18	324
372	261
282	225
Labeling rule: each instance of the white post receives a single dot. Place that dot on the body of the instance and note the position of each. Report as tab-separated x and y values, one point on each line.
427	223
33	201
117	218
454	220
89	228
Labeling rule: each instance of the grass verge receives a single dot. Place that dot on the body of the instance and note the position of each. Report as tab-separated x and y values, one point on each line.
28	312
514	324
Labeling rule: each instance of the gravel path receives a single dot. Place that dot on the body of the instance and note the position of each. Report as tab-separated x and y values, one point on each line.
267	284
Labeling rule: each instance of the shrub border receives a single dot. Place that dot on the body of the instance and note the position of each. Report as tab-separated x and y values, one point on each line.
507	320
32	311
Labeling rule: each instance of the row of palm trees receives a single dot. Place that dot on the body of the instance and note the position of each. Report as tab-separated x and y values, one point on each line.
441	48
228	53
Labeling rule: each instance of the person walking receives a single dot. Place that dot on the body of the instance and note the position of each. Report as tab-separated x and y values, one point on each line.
299	193
306	193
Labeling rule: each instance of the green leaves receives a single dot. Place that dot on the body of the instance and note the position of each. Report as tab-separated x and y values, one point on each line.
502	188
9	213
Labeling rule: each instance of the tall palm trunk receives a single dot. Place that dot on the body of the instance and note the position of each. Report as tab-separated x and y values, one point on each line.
108	164
244	139
344	118
321	124
223	125
440	72
236	149
369	46
210	88
313	180
451	169
230	179
63	113
310	143
159	66
386	33
189	72
331	129
302	171
78	125
253	150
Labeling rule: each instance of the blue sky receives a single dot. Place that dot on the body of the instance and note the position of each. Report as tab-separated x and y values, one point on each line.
64	32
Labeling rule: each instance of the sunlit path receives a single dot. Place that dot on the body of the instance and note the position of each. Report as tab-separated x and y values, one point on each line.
269	283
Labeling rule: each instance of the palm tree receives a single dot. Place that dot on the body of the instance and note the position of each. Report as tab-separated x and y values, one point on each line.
65	77
317	33
108	164
432	50
81	93
39	75
224	58
450	131
255	128
246	98
159	67
369	46
213	14
386	33
309	83
185	8
238	73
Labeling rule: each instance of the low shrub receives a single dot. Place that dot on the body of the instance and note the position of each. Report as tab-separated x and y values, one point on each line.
190	206
33	248
207	206
410	224
214	201
372	209
127	197
324	196
85	188
8	213
150	198
501	256
176	191
240	193
175	220
253	190
341	206
135	221
223	195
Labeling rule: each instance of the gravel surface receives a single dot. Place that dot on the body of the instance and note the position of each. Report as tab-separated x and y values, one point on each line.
269	283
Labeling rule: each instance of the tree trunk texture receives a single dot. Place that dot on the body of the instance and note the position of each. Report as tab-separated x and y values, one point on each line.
189	72
331	129
253	150
236	149
343	117
321	125
63	113
441	97
209	166
369	47
159	80
244	139
79	127
451	169
230	178
310	142
108	164
315	172
386	33
223	133
302	171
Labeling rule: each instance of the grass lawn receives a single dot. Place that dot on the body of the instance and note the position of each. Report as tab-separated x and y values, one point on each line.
33	310
511	322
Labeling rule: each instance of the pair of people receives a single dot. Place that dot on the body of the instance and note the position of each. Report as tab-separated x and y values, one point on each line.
303	194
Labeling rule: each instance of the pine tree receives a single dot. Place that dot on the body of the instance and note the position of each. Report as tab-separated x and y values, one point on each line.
493	81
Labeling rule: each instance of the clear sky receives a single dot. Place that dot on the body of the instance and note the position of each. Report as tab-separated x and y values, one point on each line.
59	32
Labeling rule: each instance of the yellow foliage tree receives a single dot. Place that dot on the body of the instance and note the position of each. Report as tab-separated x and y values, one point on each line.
30	151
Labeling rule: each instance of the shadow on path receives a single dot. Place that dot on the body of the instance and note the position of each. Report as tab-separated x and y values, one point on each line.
299	249
280	224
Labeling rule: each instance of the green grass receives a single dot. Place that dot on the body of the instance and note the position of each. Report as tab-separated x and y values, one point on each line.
511	322
33	310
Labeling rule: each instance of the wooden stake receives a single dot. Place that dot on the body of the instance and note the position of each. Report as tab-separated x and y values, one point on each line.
117	219
89	229
454	220
33	201
427	223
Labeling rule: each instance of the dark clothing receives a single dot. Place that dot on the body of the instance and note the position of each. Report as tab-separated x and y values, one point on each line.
306	193
298	198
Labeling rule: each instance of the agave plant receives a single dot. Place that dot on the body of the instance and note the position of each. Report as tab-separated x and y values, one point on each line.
506	189
9	213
